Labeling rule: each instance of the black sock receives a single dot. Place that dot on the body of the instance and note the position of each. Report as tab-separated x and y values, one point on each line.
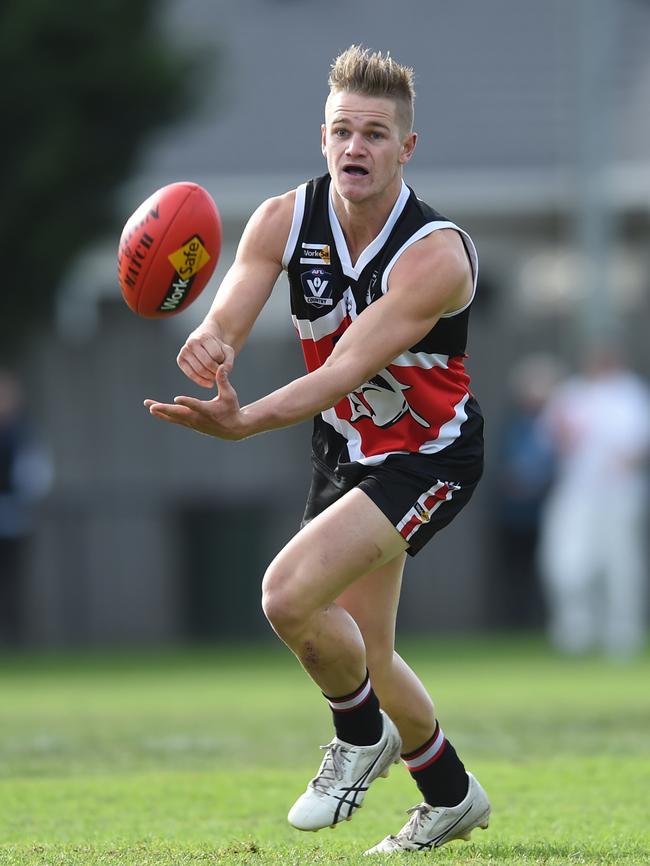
357	719
438	771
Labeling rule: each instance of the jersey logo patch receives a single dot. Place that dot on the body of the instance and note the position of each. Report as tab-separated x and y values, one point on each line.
370	292
317	287
382	400
319	253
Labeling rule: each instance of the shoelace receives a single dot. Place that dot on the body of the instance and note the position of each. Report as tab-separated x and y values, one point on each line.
332	767
417	813
413	826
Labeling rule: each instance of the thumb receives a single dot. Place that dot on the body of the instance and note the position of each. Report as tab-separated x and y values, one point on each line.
221	379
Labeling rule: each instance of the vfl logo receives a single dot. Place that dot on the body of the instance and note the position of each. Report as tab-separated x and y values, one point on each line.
317	288
382	400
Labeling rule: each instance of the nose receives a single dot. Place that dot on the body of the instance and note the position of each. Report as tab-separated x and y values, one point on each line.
356	145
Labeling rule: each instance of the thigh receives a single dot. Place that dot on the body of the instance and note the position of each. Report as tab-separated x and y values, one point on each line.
348	540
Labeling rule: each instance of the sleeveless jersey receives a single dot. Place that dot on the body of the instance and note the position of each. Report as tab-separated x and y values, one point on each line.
419	403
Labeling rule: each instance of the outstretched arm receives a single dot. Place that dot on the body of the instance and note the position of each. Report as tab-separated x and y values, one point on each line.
242	294
432	277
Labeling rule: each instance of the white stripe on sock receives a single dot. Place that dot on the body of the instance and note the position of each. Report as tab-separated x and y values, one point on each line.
425	757
350	704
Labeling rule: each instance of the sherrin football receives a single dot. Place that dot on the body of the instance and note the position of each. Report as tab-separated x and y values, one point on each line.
169	249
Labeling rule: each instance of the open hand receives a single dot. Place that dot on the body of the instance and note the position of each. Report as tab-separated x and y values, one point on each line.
220	417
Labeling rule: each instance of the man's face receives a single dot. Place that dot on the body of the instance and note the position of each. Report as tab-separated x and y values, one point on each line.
363	144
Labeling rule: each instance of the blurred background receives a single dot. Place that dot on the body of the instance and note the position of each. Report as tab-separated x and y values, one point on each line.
534	137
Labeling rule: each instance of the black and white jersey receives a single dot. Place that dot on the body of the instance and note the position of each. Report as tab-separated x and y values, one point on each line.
421	401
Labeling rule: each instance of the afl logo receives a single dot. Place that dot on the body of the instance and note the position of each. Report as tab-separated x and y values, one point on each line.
317	288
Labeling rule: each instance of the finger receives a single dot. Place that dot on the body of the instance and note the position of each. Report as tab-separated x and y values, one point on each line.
210	355
172	413
228	357
209	345
190	402
193	376
198	357
203	353
194	371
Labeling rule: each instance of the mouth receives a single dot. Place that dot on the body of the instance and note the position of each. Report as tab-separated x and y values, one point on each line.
355	170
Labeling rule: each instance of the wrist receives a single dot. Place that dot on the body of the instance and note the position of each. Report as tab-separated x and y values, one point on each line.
212	324
246	424
251	421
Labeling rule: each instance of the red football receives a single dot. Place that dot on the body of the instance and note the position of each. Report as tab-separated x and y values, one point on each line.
169	249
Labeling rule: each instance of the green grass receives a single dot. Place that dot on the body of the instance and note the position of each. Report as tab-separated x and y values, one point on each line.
195	756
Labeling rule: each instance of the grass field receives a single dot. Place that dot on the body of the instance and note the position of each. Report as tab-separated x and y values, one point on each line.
194	757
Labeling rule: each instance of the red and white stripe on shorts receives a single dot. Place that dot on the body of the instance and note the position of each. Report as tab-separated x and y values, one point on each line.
421	512
429	752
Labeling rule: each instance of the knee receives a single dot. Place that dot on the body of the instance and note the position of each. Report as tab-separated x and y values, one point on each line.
280	603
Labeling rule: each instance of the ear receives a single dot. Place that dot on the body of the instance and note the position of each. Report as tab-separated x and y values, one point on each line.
323	137
408	146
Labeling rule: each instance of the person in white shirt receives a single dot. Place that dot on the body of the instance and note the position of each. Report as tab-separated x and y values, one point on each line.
592	546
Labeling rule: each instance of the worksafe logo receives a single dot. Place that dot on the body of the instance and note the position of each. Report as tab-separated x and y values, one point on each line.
315	253
190	258
317	287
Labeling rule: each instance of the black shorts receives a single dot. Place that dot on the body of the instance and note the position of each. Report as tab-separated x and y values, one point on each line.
417	493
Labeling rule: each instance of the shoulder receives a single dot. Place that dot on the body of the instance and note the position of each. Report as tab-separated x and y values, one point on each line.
276	211
443	246
438	261
268	228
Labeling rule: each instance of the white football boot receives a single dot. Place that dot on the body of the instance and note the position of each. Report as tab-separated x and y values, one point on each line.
433	826
340	785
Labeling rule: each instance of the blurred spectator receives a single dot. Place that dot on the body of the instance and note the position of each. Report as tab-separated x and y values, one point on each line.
25	476
524	471
593	536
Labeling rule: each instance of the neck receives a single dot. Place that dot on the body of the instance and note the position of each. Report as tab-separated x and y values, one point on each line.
361	222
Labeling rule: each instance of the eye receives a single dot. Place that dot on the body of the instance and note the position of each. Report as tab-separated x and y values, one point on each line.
340	132
376	136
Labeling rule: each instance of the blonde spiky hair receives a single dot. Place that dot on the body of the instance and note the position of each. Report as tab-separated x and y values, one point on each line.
357	70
